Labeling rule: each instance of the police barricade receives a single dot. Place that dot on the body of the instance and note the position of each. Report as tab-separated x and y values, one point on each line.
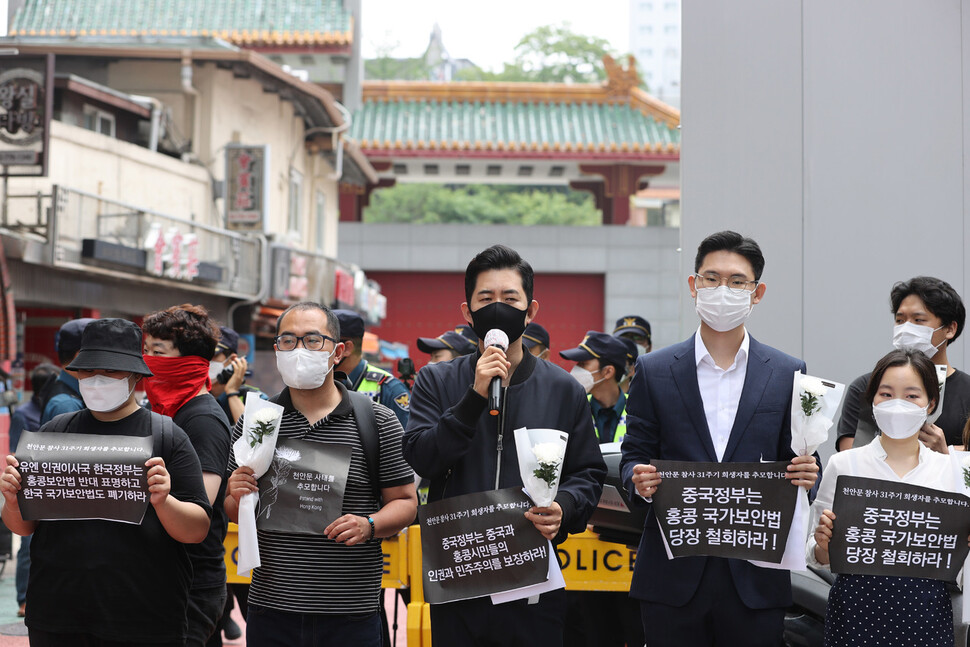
588	564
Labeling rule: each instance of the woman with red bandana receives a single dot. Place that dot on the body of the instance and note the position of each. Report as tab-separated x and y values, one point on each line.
179	344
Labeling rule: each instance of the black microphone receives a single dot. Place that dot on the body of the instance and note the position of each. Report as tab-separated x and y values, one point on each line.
495	337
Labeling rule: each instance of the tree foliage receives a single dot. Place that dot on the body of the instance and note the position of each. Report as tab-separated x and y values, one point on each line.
482	204
551	54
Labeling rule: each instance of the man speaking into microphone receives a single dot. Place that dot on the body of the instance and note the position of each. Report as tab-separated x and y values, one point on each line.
454	439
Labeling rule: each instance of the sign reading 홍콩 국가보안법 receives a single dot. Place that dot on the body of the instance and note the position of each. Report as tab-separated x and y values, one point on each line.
737	510
83	476
479	544
888	528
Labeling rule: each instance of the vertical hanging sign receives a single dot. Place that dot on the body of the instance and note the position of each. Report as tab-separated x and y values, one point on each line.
26	104
247	183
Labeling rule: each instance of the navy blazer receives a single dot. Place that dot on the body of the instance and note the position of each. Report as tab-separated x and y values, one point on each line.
665	420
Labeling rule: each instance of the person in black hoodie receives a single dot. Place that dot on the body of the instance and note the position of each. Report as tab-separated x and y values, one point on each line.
179	344
452	440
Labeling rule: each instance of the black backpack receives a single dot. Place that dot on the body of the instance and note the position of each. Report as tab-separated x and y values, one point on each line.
163	434
367	430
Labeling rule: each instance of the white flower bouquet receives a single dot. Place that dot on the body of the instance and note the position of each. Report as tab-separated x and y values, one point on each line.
541	453
814	403
255	448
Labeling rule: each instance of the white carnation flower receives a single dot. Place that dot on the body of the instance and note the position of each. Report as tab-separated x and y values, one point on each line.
966	461
547	453
812	386
266	415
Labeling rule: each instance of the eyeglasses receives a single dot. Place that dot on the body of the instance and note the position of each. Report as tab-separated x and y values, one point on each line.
312	341
736	284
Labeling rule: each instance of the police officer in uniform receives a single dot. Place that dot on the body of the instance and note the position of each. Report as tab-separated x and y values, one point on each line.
601	361
635	329
603	618
372	381
536	340
450	344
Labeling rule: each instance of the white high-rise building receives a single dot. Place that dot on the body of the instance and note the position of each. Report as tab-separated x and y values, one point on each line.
655	41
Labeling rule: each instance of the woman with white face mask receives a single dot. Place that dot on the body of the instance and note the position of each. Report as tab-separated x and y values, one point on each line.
903	390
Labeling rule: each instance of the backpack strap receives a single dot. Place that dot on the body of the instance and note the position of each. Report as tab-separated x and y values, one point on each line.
61	422
163	435
369	439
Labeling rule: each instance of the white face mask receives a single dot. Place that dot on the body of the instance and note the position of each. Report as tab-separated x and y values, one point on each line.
585	378
899	419
104	394
214	369
910	335
303	369
641	350
722	309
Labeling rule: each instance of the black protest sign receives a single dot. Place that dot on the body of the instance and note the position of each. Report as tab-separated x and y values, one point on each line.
479	544
303	490
83	476
890	528
739	510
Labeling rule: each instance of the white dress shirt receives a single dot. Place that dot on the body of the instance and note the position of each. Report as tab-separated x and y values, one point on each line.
934	470
720	390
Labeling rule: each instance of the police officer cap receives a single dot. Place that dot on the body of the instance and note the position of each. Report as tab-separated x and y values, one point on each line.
228	341
599	345
632	352
632	325
466	331
351	324
535	335
68	338
450	339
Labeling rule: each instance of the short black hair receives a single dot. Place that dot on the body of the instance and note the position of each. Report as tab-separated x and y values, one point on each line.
731	241
937	295
923	366
620	370
498	257
41	375
188	327
333	324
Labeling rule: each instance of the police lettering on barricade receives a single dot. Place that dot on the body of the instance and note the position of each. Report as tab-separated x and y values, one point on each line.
890	528
739	510
83	476
479	544
303	490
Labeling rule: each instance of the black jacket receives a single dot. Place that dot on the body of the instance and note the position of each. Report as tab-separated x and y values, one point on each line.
452	440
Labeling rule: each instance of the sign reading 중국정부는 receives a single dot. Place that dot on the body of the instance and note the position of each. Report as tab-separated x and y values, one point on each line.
889	528
480	544
738	510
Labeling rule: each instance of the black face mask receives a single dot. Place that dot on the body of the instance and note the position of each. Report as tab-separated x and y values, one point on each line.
506	318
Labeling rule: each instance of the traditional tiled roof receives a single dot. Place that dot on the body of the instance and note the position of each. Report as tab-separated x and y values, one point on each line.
613	118
244	22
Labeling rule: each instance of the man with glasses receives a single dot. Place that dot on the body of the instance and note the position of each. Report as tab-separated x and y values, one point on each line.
720	396
322	589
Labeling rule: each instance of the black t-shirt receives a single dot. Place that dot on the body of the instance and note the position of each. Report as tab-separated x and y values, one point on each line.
857	414
208	429
121	582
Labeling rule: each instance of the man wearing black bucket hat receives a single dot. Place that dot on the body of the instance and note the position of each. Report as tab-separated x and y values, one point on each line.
98	582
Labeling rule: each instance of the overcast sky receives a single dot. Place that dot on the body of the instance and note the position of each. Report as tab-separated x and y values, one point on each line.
485	32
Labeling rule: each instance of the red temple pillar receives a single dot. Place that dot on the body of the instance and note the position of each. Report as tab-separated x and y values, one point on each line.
620	183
